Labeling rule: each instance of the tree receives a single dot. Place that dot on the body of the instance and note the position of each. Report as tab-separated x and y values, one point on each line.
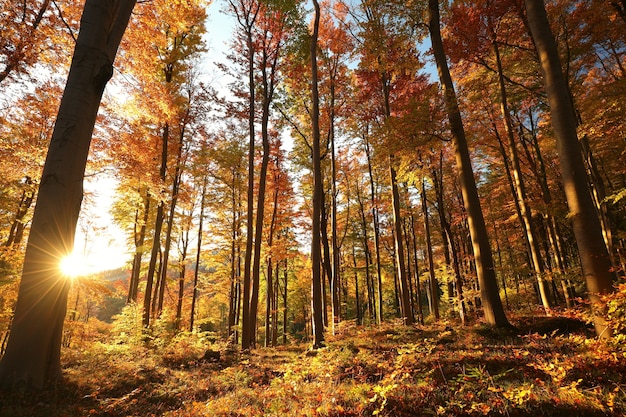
246	12
492	305
318	191
594	257
32	357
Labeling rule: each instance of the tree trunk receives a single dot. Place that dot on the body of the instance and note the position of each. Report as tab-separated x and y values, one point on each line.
139	239
434	287
520	190
17	227
447	237
248	327
318	194
181	278
357	292
594	257
196	269
156	240
334	279
405	300
269	295
285	298
170	220
490	296
32	356
379	275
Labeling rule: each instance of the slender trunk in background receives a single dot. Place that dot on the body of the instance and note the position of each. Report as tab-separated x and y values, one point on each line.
270	323
366	252
486	274
418	289
235	260
156	240
405	299
17	227
184	244
170	221
520	190
434	286
33	353
594	257
285	279
379	275
327	266
140	238
196	269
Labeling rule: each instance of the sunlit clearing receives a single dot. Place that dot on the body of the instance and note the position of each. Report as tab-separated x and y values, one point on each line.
74	265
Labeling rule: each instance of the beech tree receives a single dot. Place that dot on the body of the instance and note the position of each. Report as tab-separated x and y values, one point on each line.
32	357
594	257
318	191
492	305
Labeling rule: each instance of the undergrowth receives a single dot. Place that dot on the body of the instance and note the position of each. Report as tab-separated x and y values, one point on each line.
390	370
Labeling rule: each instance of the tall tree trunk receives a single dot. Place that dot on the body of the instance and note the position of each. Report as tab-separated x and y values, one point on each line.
170	220
318	193
366	251
490	297
594	257
182	271
247	325
156	240
520	189
258	228
32	356
334	279
434	287
139	238
379	276
235	259
196	269
269	295
405	299
357	292
418	289
285	298
454	253
327	265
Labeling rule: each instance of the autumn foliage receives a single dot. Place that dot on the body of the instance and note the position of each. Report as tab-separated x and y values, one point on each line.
390	179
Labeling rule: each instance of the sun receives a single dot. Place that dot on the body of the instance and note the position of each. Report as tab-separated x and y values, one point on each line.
74	265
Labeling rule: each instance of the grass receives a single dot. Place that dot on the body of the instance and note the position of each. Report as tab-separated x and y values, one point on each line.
549	367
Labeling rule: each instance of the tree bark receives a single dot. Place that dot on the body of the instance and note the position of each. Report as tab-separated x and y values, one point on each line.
156	239
520	189
434	286
490	296
139	238
594	257
32	357
248	327
405	299
196	269
379	275
170	220
318	194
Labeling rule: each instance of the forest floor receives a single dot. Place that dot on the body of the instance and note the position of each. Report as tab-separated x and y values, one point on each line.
546	367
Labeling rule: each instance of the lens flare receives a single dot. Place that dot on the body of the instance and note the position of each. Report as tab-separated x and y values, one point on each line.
74	265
